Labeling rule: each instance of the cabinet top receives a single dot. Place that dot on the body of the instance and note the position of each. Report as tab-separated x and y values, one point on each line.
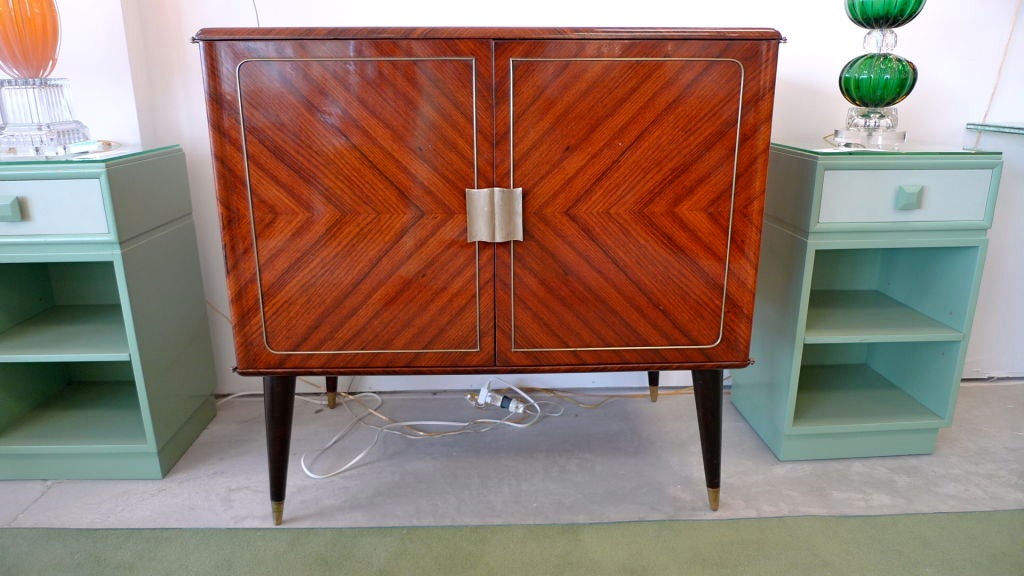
487	33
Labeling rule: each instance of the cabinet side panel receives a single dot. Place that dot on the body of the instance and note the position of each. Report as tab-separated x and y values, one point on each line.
763	392
168	313
791	185
148	192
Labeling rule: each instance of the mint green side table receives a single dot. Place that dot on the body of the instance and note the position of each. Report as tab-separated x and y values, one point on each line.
106	369
869	272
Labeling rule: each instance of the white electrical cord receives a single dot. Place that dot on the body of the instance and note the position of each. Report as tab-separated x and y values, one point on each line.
260	393
525	407
298	395
408	429
355	420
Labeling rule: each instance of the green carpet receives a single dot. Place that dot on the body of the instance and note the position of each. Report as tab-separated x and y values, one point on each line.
975	544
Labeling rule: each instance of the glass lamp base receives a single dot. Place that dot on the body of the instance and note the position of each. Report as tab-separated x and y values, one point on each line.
873	139
55	139
873	128
37	120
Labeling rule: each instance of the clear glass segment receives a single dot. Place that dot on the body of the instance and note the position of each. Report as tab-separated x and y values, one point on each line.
37	118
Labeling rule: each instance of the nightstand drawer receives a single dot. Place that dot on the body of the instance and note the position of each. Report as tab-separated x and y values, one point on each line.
73	206
895	196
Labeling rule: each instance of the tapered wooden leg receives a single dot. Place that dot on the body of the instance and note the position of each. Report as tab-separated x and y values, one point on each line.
332	391
707	389
652	384
278	402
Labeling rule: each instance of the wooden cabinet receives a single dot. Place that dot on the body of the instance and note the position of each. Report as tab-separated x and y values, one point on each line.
106	368
870	264
343	157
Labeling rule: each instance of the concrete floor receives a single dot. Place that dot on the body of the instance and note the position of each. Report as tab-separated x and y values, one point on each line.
628	460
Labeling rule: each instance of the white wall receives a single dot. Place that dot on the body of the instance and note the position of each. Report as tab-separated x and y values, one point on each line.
1007	104
957	46
996	349
94	56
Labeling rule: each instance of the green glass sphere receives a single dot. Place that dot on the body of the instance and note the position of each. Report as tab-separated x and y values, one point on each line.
872	14
877	80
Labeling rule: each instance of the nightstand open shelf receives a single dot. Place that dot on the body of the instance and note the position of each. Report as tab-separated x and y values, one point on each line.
61	311
106	369
838	316
84	416
850	397
863	310
85	333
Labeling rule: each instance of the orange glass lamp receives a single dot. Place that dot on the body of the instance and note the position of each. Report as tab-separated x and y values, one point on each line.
35	110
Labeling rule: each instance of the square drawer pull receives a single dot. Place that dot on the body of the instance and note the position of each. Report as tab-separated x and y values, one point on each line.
10	209
909	197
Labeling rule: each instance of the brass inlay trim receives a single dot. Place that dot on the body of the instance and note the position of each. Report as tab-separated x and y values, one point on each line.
252	221
732	198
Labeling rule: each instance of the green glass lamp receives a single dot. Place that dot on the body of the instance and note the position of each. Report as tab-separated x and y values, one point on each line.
878	80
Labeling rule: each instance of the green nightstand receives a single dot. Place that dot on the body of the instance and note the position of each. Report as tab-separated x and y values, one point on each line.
869	273
106	369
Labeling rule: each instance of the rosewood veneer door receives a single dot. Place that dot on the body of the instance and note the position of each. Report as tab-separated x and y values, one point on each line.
345	229
642	207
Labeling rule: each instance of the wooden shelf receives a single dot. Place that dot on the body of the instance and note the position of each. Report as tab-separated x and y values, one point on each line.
853	397
102	416
850	316
68	334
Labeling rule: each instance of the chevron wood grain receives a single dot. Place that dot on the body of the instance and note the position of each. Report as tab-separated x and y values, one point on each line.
341	182
342	165
641	200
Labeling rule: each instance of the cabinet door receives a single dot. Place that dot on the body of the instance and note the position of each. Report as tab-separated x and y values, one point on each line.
641	164
342	171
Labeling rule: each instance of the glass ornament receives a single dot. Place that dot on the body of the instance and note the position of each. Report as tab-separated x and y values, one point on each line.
877	80
883	14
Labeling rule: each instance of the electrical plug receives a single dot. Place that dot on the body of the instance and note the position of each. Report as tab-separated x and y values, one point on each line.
485	397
